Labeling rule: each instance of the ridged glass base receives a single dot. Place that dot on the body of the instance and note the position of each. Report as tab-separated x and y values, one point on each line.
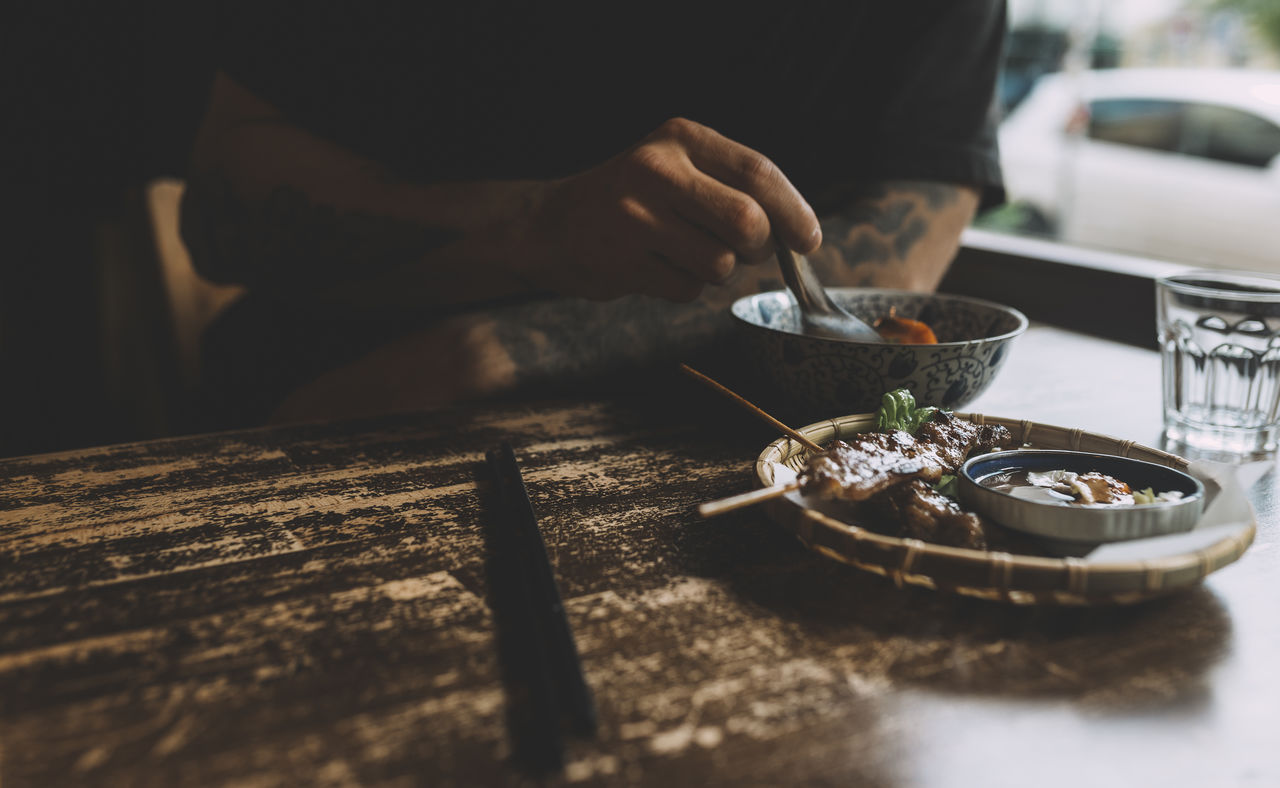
1215	438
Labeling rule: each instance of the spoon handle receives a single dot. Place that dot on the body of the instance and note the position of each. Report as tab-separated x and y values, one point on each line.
818	313
800	279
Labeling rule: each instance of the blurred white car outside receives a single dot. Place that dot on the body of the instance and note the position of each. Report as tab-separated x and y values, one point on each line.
1173	164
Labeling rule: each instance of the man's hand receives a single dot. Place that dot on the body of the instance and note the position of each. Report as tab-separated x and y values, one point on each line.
678	211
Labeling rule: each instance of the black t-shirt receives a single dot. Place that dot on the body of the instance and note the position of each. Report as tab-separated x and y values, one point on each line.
832	92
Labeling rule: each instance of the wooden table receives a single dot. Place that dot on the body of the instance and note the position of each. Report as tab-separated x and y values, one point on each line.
307	605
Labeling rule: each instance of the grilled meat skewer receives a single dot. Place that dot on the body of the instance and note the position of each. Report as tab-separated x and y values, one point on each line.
858	468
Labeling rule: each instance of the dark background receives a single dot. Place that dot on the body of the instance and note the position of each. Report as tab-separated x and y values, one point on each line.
106	97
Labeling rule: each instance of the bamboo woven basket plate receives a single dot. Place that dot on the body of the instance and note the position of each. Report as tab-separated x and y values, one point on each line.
1140	570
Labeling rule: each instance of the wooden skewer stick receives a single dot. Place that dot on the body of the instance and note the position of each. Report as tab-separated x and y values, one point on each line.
790	433
743	500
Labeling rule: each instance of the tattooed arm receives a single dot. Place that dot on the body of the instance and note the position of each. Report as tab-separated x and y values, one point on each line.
900	234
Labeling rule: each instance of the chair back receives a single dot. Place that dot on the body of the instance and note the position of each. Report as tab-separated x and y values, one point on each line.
193	302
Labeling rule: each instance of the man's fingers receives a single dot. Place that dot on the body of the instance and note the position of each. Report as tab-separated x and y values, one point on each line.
671	215
656	228
735	165
690	248
733	216
664	173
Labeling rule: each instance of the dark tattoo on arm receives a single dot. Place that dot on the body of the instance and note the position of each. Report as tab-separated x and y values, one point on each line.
907	237
560	343
870	231
289	242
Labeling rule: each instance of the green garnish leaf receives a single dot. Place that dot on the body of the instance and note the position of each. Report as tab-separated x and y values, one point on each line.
898	411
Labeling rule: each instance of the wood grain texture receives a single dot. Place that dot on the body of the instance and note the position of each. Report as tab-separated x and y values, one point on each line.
308	606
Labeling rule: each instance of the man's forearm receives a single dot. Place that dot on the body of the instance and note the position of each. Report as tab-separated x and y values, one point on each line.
272	206
894	235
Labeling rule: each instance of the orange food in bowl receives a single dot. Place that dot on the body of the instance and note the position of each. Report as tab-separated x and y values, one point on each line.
907	332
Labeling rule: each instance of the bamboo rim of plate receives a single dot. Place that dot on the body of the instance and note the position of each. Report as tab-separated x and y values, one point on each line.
999	576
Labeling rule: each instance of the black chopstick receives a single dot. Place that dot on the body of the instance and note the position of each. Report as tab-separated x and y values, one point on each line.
563	668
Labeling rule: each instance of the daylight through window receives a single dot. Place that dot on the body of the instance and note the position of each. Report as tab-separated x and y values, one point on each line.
1147	127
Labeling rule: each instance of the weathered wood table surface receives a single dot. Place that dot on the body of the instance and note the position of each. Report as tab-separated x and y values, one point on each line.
307	606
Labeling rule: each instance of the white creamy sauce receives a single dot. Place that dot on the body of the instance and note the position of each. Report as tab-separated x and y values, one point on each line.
1067	488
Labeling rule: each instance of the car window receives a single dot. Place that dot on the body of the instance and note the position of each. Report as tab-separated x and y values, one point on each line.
1231	135
1144	123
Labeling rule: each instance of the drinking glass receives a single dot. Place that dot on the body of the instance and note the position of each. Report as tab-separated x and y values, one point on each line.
1219	334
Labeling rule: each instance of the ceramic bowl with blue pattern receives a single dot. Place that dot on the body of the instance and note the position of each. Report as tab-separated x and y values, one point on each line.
825	378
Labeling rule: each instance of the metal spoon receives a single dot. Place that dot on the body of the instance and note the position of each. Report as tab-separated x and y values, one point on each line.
819	315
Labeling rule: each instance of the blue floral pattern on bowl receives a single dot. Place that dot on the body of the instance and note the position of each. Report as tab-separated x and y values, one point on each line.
828	378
